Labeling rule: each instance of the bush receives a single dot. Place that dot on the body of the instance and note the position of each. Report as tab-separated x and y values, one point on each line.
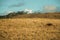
49	24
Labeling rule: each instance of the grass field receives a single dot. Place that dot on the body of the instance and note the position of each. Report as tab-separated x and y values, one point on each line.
29	29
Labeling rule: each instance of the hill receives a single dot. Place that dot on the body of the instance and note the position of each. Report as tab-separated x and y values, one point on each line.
21	26
33	15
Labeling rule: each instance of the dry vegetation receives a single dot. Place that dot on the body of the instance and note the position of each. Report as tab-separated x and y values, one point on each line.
54	15
29	29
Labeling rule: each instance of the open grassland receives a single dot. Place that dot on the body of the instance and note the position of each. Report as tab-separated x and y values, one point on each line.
29	29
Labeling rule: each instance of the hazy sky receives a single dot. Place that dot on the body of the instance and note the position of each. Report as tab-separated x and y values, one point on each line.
35	5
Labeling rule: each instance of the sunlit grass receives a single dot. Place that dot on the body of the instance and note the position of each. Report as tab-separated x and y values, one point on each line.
29	29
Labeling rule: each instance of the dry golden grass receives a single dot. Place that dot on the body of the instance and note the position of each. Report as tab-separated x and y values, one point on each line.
30	29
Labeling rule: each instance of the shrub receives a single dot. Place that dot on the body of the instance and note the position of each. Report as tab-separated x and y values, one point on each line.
49	24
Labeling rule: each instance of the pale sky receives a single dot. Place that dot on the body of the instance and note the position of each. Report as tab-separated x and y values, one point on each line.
35	5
